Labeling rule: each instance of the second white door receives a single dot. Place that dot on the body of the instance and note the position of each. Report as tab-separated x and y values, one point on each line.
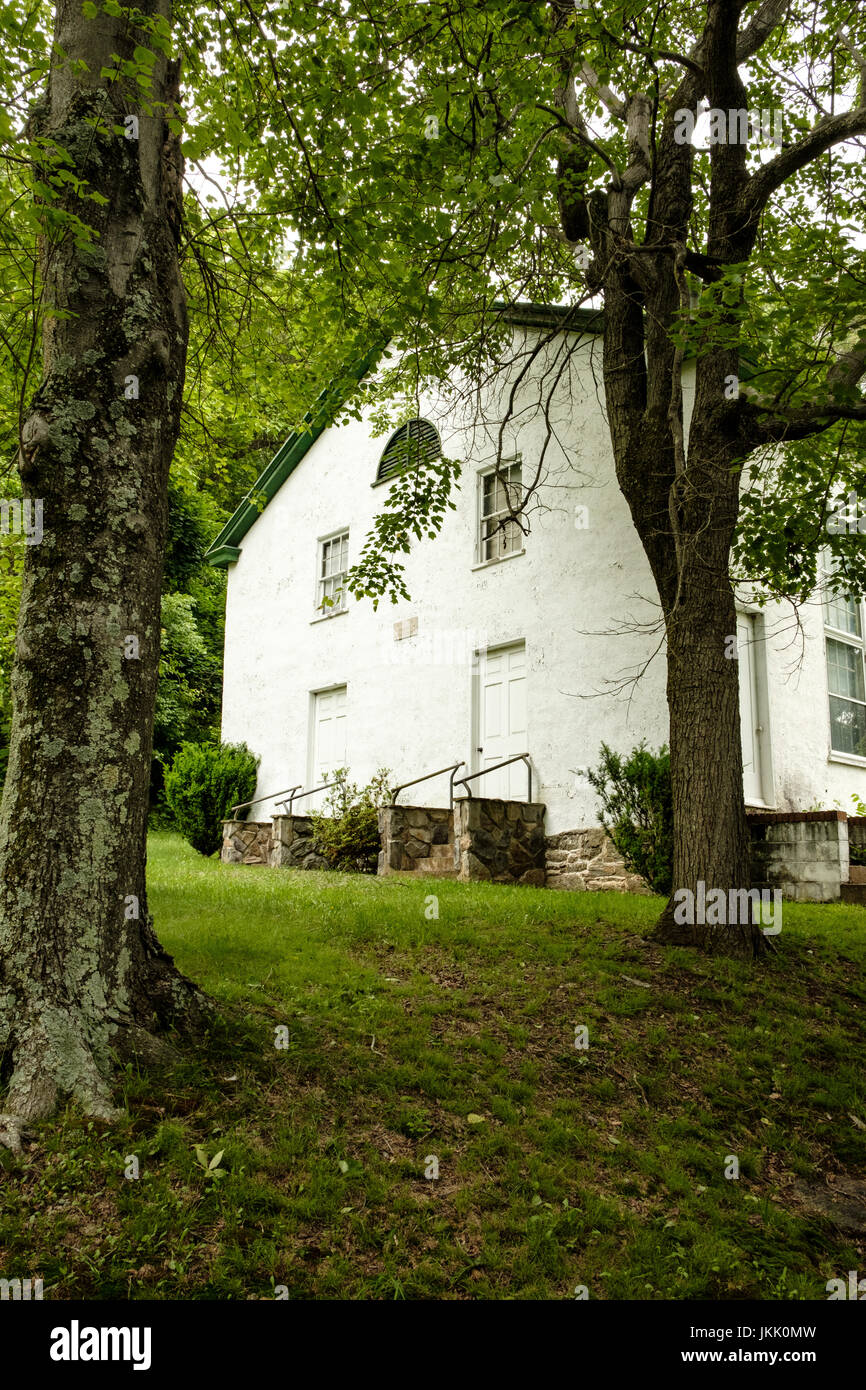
328	739
501	722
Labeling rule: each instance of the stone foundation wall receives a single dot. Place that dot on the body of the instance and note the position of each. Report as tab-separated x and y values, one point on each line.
586	860
416	839
804	854
500	841
245	842
292	845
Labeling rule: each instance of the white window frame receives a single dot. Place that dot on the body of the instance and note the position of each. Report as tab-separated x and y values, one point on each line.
849	639
482	541
332	610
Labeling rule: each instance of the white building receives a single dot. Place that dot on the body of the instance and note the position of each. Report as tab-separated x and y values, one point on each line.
511	644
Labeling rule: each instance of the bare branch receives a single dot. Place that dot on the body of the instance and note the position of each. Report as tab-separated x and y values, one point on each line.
614	104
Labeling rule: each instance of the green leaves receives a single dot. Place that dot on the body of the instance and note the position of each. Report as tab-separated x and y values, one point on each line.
211	1166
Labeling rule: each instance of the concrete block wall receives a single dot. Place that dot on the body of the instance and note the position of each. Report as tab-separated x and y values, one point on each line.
804	854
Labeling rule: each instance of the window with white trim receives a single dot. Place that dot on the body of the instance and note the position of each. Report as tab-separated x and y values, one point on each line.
846	686
333	568
499	493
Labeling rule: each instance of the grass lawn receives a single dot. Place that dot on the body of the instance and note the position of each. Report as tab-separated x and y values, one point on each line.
410	1037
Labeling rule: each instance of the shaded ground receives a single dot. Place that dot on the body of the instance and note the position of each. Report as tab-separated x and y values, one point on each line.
411	1038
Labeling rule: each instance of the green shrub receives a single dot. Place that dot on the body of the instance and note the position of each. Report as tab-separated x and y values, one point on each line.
204	782
346	830
637	810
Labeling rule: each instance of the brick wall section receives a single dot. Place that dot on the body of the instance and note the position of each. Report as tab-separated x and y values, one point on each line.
586	859
804	854
416	839
245	842
500	841
292	845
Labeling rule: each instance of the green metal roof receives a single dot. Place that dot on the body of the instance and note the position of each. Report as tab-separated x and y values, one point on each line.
225	550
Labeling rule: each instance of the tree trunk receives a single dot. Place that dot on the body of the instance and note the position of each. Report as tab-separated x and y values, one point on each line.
711	836
81	972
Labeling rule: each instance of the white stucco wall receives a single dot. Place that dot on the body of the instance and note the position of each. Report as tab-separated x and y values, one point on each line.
571	596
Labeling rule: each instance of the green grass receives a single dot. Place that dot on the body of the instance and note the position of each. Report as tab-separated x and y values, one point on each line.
601	1167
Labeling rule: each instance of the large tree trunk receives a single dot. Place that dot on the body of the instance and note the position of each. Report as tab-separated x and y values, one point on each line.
81	972
683	496
711	836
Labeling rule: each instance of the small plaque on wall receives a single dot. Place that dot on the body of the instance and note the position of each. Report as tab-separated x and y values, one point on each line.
407	628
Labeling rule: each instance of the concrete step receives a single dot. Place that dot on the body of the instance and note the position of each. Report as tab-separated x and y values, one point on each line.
854	893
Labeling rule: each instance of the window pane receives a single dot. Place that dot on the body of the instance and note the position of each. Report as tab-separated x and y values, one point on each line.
847	727
492	491
843	613
499	496
332	571
845	670
513	485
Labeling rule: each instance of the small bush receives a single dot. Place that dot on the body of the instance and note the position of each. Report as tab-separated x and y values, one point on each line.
346	830
203	783
637	810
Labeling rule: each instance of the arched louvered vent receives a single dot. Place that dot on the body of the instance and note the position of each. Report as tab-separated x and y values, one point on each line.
413	443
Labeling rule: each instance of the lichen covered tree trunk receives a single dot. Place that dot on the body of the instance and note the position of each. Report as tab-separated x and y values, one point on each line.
82	975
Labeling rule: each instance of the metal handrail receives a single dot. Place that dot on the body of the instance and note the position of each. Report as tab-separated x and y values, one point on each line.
518	758
242	805
289	800
452	768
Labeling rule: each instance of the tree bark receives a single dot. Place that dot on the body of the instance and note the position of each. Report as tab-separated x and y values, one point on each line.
683	497
82	975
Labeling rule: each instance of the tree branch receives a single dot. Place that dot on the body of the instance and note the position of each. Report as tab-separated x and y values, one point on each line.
614	104
832	130
766	422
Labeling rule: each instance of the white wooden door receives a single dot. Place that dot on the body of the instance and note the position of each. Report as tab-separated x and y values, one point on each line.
501	721
750	728
329	740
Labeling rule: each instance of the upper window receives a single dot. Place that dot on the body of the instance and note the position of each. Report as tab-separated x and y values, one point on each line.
843	621
415	442
501	492
333	567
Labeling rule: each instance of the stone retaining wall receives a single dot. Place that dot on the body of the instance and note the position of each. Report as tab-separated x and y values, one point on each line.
804	854
586	859
416	839
245	842
500	841
292	845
